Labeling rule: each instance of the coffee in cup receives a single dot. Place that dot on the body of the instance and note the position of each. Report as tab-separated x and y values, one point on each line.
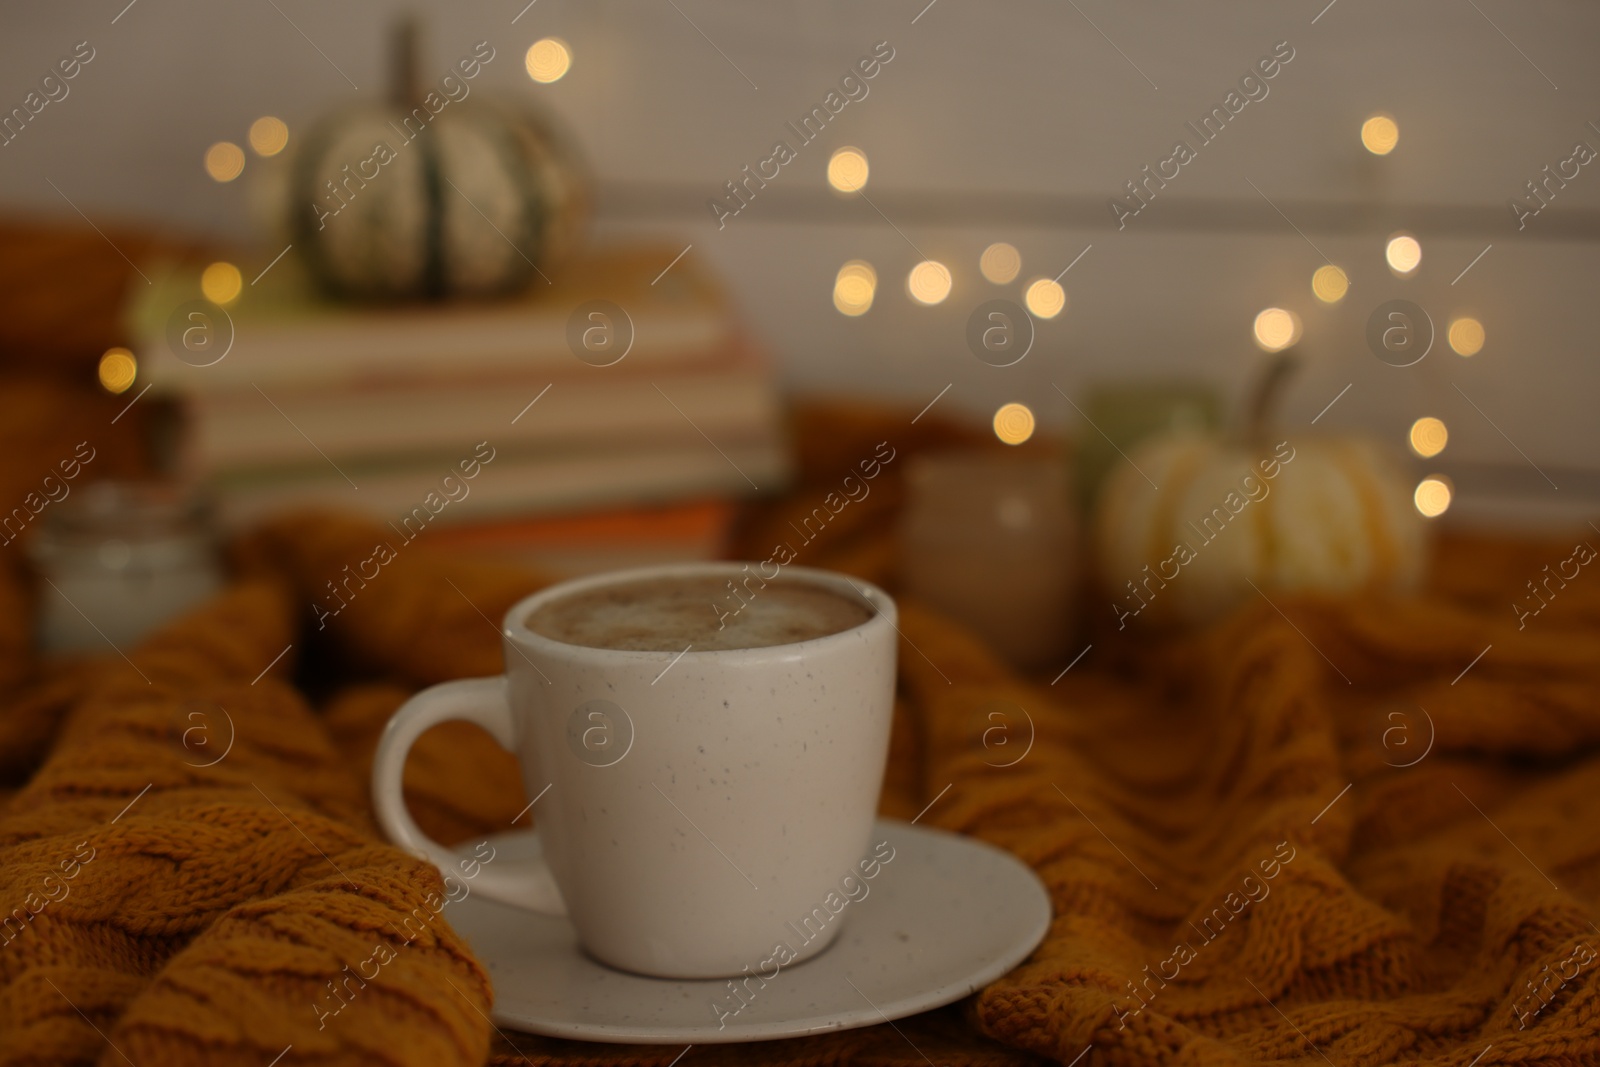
706	749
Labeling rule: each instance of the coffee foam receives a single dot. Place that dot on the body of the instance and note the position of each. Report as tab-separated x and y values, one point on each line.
705	613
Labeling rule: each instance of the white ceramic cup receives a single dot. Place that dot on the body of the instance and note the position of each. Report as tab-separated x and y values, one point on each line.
690	806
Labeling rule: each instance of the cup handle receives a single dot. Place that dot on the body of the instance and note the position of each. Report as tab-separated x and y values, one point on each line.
484	701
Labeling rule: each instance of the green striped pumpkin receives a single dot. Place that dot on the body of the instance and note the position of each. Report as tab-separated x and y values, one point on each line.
475	203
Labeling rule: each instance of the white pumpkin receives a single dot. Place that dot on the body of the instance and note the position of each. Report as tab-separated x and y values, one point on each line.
1323	513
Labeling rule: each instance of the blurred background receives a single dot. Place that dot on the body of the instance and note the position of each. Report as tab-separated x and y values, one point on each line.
1431	153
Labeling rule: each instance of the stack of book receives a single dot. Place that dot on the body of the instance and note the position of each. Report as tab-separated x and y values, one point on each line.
613	389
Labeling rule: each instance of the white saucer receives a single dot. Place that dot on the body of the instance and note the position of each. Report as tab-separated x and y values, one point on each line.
949	915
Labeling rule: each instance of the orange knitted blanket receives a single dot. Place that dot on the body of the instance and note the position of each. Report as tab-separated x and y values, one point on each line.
1251	861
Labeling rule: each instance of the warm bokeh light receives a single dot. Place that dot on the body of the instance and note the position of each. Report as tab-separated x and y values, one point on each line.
548	59
929	282
1277	329
1429	436
221	283
1404	253
1013	423
855	287
1000	263
1329	283
1433	495
268	135
1466	336
1044	298
1380	134
847	169
224	161
118	369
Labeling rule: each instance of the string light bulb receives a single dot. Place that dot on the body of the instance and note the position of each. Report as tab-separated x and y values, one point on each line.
1379	134
1429	436
221	283
929	282
268	135
848	170
1044	298
854	287
1000	263
548	60
117	370
1403	253
1329	284
1433	495
224	161
1276	329
1466	336
1013	423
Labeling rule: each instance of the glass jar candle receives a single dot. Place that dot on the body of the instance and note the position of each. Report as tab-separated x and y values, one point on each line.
116	560
991	541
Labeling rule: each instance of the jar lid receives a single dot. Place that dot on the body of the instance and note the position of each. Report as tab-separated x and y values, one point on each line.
126	511
965	482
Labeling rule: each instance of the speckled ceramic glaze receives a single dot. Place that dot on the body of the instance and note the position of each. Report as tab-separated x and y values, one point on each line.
696	810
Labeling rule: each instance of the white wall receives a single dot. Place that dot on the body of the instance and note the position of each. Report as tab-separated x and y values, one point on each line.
996	121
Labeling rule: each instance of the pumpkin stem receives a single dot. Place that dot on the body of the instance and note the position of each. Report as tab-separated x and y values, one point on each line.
403	85
1268	392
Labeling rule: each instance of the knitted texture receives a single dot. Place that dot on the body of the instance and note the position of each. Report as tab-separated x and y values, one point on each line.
1352	833
1247	863
1348	832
